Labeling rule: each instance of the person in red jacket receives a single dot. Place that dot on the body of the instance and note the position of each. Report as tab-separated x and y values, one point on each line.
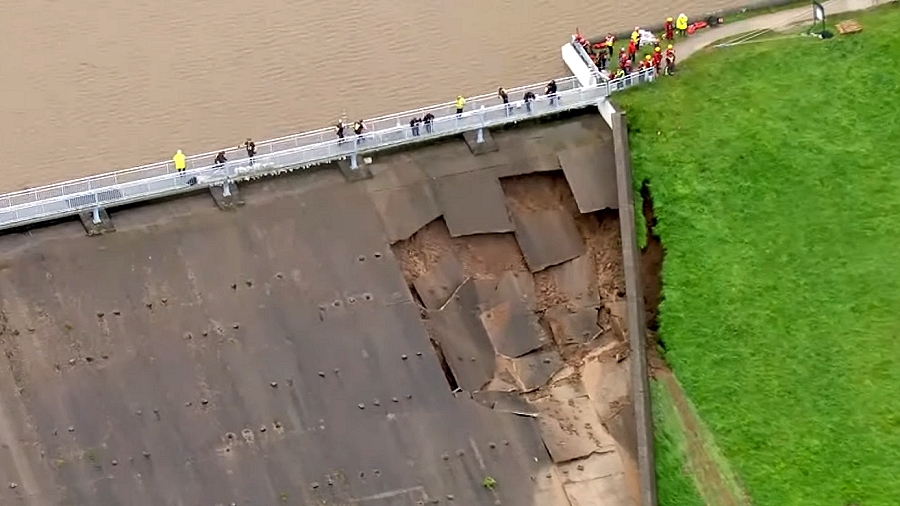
670	60
624	59
647	62
670	29
657	57
632	50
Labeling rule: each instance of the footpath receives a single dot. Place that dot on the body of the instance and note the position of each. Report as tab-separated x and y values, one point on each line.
776	20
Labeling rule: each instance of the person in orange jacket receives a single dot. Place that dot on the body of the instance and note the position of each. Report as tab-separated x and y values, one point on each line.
632	50
647	62
670	29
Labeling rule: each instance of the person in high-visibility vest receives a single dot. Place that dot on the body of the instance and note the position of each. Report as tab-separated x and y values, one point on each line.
636	35
460	104
670	60
681	23
179	161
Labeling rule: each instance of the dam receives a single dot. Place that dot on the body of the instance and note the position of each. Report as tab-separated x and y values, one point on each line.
377	326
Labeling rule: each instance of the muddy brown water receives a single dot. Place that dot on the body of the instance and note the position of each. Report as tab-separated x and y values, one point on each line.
97	85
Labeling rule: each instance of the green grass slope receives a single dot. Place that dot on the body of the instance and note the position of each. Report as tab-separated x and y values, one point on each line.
673	481
775	173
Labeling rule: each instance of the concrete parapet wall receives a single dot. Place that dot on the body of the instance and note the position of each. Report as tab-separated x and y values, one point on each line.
637	329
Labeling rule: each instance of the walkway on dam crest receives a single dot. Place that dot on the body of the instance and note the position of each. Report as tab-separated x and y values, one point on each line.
99	192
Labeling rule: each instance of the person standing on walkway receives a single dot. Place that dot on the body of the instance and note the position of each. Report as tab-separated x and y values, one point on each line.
550	91
220	160
669	27
602	60
414	126
428	119
505	98
250	146
180	163
460	104
358	128
529	98
681	24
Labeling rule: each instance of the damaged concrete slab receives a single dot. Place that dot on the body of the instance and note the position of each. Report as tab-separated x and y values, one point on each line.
591	172
570	427
473	203
507	402
514	328
405	209
438	283
577	280
535	369
463	340
547	238
578	327
516	286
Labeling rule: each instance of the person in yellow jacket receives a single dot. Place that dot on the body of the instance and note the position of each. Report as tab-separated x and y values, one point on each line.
636	35
460	103
681	24
179	161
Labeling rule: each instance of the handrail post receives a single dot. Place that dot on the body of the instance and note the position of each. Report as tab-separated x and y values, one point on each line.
95	216
479	136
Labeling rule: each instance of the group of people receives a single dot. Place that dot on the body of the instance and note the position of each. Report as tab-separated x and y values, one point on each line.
358	128
603	52
180	160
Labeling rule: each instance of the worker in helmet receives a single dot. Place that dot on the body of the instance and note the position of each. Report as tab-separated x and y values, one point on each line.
460	104
670	60
647	62
636	35
657	58
624	58
670	29
681	24
632	50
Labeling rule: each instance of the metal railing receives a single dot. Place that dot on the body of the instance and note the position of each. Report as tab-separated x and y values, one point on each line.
582	52
297	151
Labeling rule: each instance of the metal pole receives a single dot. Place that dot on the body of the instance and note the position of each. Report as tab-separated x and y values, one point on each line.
353	164
226	189
95	215
479	135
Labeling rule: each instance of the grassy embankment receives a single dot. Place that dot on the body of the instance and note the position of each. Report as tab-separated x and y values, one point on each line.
775	174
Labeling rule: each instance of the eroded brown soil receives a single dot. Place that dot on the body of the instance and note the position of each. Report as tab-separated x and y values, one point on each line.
599	367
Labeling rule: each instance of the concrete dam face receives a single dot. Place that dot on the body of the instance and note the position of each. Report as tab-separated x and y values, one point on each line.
447	332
